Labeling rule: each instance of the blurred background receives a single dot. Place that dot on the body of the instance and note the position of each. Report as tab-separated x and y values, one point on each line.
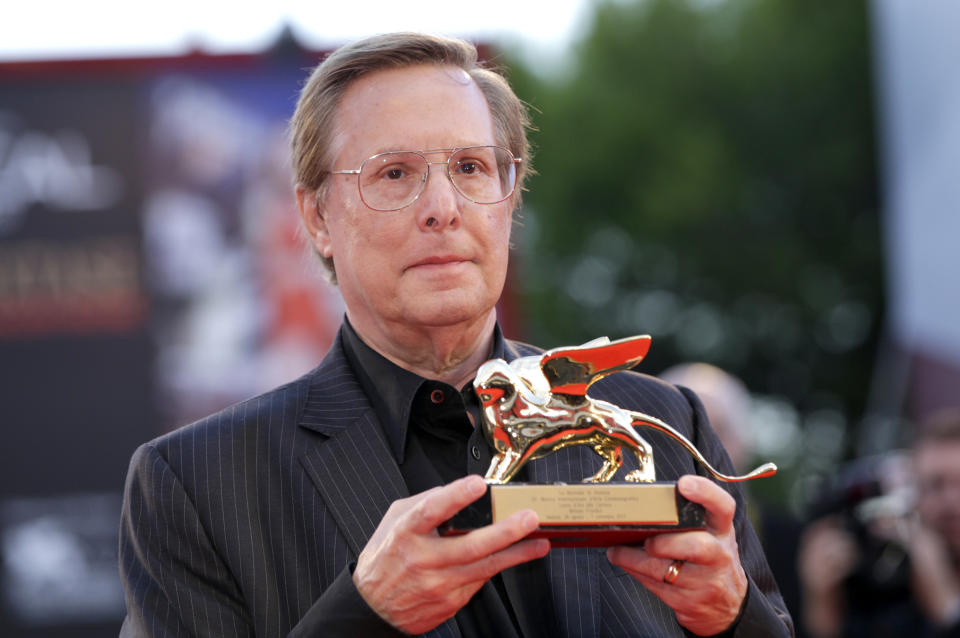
768	186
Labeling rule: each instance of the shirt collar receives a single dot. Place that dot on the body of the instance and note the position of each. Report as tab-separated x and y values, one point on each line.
390	388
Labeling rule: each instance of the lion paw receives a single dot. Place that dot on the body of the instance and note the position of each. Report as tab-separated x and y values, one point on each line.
637	476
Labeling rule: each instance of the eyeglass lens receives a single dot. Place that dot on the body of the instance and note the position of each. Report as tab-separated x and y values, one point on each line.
482	174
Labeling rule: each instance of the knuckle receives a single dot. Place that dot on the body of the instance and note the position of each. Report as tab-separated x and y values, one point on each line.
424	510
452	599
398	506
402	547
705	550
473	549
436	589
491	566
412	560
652	545
727	504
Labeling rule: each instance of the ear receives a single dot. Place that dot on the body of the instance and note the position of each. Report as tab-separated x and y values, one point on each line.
313	221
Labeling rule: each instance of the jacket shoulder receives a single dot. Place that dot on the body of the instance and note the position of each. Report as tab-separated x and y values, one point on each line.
282	404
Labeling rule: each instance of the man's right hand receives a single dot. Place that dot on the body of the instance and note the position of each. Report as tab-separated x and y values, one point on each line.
415	579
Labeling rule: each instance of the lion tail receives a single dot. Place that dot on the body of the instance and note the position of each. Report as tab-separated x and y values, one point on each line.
644	420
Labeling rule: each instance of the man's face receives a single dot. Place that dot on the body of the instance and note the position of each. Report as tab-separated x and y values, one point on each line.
441	260
937	469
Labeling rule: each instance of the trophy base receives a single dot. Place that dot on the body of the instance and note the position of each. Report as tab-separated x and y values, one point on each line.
586	514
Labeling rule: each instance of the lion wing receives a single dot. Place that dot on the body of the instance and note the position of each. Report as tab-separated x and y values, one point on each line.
573	370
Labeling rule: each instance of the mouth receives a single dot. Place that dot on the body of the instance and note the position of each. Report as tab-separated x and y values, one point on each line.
438	261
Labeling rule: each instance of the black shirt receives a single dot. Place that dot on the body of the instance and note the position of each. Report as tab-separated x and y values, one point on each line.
434	442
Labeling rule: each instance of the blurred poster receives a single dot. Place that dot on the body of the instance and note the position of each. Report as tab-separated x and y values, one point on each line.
69	239
150	273
59	566
75	353
239	305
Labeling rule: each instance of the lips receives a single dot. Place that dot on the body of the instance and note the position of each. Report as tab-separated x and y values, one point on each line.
438	260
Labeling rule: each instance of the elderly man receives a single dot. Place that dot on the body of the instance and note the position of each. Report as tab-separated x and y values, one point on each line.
312	510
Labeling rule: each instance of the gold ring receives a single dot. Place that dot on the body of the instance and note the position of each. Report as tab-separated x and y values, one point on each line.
673	572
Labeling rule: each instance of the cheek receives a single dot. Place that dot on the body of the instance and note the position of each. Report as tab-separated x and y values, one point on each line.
368	251
507	223
500	225
344	228
499	246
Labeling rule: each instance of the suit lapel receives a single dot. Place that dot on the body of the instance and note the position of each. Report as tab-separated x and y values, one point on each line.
357	477
352	467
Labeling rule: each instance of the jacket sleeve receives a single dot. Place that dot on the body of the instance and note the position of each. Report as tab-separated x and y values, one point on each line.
764	614
176	584
342	612
174	581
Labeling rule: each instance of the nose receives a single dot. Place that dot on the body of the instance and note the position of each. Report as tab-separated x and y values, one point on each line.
438	207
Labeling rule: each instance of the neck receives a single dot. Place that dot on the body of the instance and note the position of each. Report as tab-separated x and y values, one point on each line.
450	354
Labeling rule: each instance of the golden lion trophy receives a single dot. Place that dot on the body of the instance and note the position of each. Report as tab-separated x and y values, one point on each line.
537	405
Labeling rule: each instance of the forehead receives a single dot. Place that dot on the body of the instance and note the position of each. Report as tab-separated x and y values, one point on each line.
418	107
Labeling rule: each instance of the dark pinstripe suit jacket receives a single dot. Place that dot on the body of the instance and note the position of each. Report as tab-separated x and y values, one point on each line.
236	524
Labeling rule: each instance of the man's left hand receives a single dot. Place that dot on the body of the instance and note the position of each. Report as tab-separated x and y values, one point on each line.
708	590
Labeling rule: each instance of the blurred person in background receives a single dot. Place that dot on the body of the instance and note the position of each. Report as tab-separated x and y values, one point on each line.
883	556
726	400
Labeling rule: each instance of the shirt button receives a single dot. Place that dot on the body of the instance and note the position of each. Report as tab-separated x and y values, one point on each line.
475	452
437	396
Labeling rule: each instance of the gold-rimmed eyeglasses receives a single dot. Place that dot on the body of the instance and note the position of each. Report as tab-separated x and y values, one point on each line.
395	179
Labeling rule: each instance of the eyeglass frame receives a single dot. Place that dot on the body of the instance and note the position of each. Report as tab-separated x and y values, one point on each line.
426	176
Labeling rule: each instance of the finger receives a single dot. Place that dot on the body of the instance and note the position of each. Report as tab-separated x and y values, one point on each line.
649	570
440	505
484	541
524	551
634	560
696	546
654	558
719	505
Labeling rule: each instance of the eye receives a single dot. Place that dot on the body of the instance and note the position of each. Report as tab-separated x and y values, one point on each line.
475	162
468	167
392	167
396	171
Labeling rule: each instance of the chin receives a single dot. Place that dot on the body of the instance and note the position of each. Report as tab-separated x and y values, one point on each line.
448	317
445	309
